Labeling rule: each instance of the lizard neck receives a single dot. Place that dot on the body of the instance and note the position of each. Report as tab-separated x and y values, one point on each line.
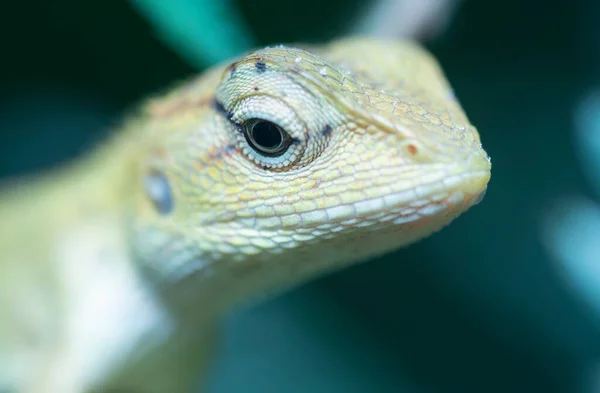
139	315
115	173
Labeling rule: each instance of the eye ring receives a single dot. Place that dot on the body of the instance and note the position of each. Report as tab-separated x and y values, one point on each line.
266	138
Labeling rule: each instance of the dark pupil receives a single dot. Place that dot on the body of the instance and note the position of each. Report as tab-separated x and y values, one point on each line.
266	135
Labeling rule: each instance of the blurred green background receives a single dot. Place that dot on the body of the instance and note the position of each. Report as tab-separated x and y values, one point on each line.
483	306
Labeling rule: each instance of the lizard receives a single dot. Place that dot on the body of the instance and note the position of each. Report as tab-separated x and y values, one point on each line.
261	174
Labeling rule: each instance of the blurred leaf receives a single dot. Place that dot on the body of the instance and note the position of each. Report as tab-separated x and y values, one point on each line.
573	229
587	133
572	237
203	32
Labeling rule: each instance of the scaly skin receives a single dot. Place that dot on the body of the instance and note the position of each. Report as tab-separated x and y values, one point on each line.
115	268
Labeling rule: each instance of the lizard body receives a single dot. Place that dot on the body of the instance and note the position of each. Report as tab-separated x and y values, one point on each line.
257	176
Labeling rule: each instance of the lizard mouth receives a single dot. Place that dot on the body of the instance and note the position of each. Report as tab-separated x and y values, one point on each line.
448	195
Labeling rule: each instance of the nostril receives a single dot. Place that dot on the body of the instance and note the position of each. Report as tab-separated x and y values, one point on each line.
412	149
415	152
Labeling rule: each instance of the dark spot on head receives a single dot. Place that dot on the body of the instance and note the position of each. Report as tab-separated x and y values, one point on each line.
232	70
221	109
224	151
260	67
295	141
159	191
326	131
256	88
229	148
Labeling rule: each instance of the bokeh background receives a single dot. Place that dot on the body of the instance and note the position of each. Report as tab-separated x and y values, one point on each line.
507	299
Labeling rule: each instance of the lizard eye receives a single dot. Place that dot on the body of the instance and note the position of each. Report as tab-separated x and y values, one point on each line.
266	138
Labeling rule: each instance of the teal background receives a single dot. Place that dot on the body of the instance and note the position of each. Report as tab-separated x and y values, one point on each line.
480	307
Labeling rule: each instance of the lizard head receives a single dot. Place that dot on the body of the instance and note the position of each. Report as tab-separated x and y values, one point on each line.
288	163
